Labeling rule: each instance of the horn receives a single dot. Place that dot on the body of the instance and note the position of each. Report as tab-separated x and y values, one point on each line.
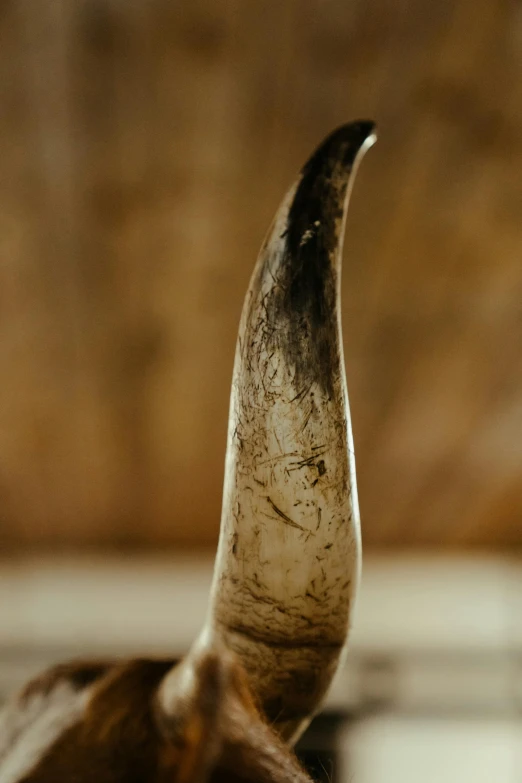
289	553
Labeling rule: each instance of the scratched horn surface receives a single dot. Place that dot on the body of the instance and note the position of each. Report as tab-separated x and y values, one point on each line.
289	552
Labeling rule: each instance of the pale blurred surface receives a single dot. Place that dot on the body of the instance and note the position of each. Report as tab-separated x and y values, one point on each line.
144	148
403	750
431	689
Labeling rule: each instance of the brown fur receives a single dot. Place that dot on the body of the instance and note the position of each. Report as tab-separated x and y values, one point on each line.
125	736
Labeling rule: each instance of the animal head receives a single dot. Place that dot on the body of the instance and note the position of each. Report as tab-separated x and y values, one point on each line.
288	559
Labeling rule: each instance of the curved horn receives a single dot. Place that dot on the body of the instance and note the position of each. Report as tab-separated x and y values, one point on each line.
288	559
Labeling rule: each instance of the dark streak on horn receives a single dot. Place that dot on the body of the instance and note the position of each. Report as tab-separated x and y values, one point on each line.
304	300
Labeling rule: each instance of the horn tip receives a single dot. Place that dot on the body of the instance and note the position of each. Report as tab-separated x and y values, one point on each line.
346	144
368	133
360	131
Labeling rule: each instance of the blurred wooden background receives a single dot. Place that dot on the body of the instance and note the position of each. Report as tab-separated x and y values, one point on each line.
145	145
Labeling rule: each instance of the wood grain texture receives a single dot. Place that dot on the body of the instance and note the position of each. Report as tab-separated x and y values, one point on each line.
145	147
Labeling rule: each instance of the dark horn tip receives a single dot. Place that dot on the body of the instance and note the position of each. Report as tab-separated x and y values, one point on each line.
344	144
354	133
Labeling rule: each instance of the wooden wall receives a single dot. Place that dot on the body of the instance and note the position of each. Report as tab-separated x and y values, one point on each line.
144	145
